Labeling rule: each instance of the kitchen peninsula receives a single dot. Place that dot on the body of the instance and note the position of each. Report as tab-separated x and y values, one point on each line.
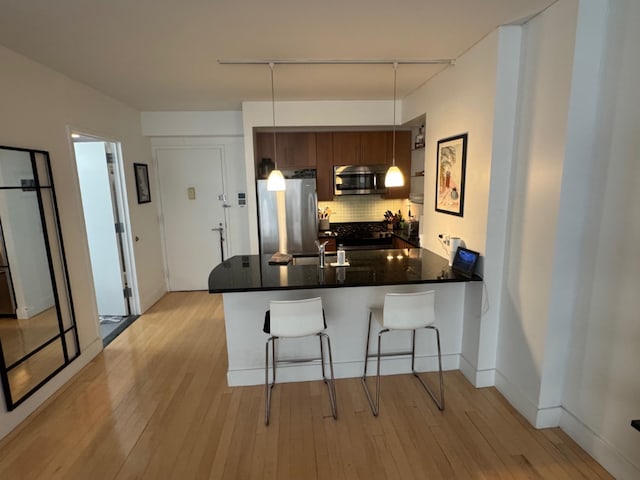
249	282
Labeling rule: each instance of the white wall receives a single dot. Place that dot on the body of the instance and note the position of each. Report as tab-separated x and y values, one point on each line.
211	129
463	99
38	107
547	57
602	392
453	105
231	150
568	344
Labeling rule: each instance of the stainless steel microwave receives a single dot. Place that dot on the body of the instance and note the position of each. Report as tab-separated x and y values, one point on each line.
359	179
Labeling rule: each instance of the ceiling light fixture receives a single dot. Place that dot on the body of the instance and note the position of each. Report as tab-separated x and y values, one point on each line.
275	181
394	177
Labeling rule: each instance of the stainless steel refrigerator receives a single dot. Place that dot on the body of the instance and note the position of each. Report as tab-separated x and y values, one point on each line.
301	205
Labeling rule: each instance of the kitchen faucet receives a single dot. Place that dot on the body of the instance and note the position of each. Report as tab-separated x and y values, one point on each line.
321	251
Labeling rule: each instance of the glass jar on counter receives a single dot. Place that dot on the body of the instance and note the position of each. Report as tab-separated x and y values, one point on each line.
342	256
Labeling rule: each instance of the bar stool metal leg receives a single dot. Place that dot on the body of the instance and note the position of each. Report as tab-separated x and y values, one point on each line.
331	383
268	386
374	405
439	402
366	352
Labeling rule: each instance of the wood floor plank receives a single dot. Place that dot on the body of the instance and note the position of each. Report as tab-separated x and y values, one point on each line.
155	404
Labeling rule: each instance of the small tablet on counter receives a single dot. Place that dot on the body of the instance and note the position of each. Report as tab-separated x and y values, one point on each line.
464	263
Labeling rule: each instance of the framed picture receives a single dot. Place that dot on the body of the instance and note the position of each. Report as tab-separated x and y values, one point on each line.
450	166
142	182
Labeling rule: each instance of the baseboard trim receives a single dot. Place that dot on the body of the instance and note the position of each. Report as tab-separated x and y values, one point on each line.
311	371
538	417
599	448
12	420
478	378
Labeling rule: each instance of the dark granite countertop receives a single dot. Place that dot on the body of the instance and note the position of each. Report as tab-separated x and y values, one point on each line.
244	273
413	239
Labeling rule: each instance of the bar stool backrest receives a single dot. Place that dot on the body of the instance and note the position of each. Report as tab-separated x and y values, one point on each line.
407	311
296	318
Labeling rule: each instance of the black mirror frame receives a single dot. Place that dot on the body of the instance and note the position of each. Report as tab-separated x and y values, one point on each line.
64	289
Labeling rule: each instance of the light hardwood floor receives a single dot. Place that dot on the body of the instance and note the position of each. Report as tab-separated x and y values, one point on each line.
155	405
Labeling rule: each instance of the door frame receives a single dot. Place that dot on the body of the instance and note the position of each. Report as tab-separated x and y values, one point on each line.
122	206
205	146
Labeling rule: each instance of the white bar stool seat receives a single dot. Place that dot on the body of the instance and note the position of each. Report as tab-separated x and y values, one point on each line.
403	311
291	319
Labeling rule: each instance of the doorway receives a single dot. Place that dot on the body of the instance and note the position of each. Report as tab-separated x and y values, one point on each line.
102	188
194	203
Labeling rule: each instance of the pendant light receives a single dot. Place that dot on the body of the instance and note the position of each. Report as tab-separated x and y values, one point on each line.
394	177
275	181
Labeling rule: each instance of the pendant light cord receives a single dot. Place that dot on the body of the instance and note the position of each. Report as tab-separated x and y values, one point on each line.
393	152
273	113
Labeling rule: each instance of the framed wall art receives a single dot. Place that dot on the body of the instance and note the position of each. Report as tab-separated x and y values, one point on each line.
142	182
450	169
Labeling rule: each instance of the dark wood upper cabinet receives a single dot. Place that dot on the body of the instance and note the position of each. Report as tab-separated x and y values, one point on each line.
263	146
295	149
361	148
375	148
324	166
346	148
323	150
299	150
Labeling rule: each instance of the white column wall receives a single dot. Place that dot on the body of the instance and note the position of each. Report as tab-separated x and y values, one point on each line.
544	99
39	105
602	385
464	98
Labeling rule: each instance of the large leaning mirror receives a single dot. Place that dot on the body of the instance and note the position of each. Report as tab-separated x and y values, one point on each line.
37	326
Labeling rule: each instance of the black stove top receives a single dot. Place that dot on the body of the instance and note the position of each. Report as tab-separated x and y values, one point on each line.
362	235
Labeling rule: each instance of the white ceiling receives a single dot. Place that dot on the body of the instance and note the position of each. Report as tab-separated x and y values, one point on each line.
162	54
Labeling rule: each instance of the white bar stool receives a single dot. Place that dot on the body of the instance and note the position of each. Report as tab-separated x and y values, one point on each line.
290	319
403	311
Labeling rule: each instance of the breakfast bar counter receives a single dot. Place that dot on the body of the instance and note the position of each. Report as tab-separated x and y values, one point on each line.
245	273
248	283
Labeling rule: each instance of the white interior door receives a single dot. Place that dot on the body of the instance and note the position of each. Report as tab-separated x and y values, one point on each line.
97	205
191	186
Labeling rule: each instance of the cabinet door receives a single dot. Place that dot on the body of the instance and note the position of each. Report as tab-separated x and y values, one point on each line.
298	150
295	149
331	244
346	148
375	148
263	146
400	243
324	166
403	162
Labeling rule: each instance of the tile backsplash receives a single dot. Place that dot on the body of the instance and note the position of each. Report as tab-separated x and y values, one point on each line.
366	208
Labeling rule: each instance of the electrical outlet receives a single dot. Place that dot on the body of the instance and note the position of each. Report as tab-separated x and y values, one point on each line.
444	238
